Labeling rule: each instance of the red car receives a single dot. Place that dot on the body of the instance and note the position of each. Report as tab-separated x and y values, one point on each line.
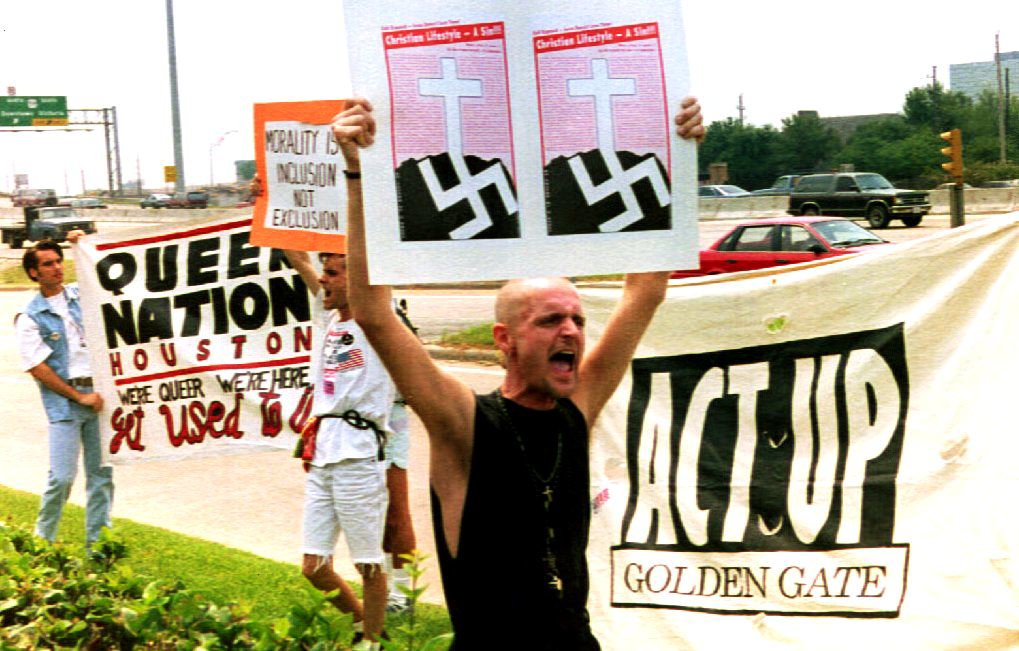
780	241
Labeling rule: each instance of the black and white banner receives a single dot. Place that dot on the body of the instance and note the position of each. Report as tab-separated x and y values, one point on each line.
200	342
819	458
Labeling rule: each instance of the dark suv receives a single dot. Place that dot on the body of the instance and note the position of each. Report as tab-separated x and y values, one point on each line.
858	194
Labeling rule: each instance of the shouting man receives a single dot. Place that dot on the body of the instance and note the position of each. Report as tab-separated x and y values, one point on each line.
509	470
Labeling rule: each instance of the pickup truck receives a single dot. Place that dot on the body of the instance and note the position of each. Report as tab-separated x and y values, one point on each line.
189	200
47	223
858	195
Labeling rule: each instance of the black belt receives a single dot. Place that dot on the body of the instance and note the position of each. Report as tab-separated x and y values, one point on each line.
355	420
81	382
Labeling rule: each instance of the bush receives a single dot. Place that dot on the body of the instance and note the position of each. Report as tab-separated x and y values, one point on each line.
978	173
50	599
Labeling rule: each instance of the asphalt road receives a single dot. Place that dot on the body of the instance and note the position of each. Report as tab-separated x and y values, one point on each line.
436	311
710	230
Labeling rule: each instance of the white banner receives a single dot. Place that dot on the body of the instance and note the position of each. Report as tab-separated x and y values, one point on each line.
820	458
523	138
199	342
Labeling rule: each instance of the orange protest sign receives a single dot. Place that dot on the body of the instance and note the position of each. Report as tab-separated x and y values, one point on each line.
301	202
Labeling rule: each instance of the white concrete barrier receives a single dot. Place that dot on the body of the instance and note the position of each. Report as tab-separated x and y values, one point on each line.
978	201
754	207
137	214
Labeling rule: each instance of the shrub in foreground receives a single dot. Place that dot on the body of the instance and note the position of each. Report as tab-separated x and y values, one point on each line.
51	599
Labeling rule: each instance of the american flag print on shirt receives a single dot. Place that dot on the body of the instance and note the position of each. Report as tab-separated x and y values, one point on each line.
349	359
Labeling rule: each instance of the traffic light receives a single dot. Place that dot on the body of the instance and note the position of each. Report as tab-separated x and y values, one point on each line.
953	151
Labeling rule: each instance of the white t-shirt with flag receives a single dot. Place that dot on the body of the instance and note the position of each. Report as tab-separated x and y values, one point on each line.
348	375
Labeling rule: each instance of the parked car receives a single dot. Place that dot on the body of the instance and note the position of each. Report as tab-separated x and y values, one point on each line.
24	197
783	185
87	203
155	201
721	191
860	195
1012	183
762	243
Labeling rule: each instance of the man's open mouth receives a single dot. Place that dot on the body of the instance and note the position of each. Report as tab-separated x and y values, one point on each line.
563	361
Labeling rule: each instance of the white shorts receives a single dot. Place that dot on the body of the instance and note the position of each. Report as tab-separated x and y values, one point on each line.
348	496
398	436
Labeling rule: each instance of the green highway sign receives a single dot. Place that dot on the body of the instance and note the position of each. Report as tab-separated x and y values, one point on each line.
34	111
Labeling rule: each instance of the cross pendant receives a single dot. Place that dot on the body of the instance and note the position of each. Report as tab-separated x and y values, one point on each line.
548	496
555	583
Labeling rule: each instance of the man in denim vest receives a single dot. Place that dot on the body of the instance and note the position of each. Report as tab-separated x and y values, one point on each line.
51	339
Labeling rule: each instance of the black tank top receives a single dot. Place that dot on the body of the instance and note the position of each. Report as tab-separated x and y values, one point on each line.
496	588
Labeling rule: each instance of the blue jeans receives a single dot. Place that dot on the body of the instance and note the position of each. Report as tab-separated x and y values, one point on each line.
67	438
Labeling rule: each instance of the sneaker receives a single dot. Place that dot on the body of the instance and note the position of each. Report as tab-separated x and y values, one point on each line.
397	604
359	637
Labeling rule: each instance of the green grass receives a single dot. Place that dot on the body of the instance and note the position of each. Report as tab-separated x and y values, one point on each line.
269	588
479	336
594	279
11	273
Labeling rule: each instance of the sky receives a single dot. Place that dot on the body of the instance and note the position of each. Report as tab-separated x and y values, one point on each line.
783	56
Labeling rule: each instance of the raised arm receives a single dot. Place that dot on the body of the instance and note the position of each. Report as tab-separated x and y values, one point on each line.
301	262
444	404
605	364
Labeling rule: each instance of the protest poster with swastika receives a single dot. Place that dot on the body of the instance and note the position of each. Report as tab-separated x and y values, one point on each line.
604	128
452	138
523	139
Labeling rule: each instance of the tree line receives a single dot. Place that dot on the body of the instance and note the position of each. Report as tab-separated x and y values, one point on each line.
905	147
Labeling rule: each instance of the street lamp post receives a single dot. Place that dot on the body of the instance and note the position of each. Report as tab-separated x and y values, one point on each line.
217	143
178	150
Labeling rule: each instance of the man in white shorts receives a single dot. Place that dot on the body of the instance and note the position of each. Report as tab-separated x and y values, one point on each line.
346	485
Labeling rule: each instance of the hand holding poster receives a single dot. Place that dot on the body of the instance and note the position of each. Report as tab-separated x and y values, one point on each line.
303	205
199	342
523	139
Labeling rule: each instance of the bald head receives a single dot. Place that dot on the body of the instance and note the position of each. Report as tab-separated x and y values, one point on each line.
513	302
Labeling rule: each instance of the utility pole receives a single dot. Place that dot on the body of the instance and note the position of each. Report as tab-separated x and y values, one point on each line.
740	107
1001	102
934	97
1008	100
178	151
